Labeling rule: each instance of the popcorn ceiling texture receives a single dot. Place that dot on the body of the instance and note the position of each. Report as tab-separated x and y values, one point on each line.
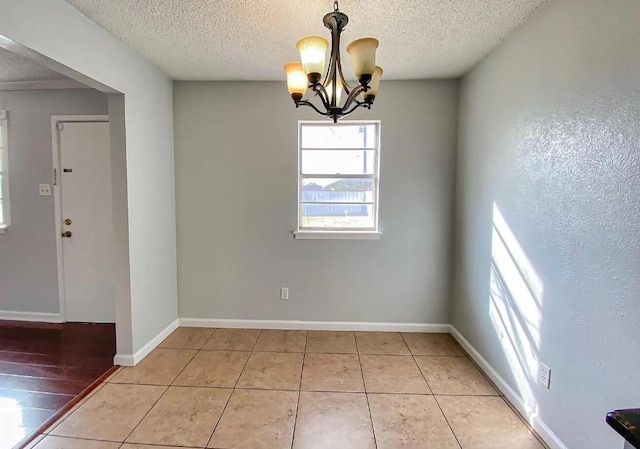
17	68
251	40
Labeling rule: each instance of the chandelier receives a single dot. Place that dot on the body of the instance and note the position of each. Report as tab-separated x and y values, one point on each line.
327	92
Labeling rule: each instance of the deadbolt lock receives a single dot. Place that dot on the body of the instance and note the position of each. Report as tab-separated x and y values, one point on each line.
67	221
67	234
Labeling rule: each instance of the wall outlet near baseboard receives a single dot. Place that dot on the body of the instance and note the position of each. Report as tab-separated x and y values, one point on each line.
544	375
284	293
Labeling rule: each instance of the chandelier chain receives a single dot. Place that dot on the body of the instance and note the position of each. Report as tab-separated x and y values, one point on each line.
335	5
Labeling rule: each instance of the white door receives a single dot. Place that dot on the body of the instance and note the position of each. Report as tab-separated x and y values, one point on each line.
85	192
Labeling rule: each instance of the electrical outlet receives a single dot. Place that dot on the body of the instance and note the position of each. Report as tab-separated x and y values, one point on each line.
284	293
544	375
45	189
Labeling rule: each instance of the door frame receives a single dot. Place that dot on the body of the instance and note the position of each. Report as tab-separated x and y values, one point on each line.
57	194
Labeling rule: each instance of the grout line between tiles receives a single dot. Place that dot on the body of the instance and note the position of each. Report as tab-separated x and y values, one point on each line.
162	395
433	395
295	419
210	337
233	389
166	388
366	395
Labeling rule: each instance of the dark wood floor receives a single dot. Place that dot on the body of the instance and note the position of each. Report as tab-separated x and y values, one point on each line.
43	367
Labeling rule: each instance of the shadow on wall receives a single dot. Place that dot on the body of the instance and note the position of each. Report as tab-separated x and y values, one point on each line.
515	307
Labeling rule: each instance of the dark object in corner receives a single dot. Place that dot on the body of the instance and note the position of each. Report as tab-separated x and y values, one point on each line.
627	424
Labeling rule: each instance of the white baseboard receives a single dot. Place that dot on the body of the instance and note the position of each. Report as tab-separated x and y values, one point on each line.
315	325
134	359
34	317
510	394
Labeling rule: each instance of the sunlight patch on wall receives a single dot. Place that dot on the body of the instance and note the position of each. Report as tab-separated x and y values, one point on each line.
515	307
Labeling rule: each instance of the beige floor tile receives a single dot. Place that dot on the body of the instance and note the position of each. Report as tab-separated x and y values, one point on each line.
159	368
53	442
232	340
113	374
486	423
213	369
272	370
409	422
454	375
392	374
331	342
333	420
257	419
112	413
74	408
187	338
382	343
332	372
184	416
432	344
281	341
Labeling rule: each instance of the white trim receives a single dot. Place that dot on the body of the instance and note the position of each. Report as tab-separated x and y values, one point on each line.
57	200
510	394
134	359
337	235
35	317
315	325
66	83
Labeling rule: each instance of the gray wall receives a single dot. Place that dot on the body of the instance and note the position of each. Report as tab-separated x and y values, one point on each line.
550	135
63	39
236	186
28	267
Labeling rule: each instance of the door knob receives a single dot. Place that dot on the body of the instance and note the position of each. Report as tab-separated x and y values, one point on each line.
67	221
67	234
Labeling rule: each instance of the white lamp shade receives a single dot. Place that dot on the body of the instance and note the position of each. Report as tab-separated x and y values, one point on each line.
296	79
313	53
363	55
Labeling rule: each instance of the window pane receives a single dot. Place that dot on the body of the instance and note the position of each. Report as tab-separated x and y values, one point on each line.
337	216
341	190
332	162
338	136
1	212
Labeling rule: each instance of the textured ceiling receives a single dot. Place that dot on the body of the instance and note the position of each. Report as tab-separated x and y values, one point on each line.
17	68
251	40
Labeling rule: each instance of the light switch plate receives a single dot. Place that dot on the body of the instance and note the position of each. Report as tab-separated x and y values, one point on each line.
45	189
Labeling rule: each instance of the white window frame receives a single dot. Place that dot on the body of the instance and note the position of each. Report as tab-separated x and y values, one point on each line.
340	233
4	173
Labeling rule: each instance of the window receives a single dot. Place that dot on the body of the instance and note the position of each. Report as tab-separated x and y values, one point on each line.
4	174
338	179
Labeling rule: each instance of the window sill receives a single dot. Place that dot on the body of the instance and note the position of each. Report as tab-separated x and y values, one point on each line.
3	229
337	235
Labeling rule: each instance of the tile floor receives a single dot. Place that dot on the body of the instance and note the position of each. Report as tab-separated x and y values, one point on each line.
252	389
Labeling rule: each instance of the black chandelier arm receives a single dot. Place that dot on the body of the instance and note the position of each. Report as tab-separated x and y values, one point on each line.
311	105
353	95
322	93
356	106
